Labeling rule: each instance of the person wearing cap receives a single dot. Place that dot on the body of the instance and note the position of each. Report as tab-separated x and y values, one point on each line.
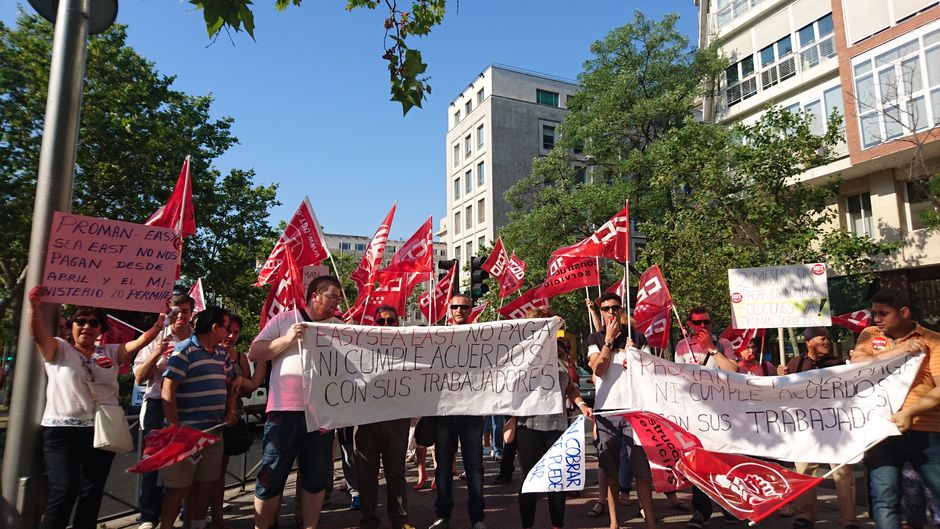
817	355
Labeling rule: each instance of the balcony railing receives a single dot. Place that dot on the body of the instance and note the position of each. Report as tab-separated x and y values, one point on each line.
734	9
823	49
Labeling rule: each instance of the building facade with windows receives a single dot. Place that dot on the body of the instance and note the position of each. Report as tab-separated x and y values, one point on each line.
876	63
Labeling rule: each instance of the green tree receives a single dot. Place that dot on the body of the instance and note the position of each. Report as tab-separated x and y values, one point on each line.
134	132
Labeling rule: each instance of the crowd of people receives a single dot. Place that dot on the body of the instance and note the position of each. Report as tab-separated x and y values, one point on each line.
195	376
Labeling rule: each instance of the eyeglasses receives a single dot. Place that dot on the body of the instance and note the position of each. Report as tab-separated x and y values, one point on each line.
92	322
460	307
330	297
387	321
700	322
611	308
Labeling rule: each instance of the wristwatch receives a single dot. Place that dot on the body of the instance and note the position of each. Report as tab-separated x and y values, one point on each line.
610	345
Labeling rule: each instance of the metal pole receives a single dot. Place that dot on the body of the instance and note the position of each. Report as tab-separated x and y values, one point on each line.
23	500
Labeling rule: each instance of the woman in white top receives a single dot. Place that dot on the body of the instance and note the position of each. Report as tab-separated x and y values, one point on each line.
80	374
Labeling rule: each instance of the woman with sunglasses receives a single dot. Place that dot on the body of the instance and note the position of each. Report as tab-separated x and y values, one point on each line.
80	375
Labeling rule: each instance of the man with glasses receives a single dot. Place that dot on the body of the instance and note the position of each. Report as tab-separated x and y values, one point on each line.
285	429
387	440
469	430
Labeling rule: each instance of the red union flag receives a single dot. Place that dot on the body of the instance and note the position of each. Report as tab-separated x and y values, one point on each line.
497	262
521	306
372	258
653	290
855	321
739	338
119	332
171	445
616	288
198	295
569	273
655	326
748	488
287	293
416	255
442	293
305	240
612	240
390	291
178	213
476	311
664	443
512	279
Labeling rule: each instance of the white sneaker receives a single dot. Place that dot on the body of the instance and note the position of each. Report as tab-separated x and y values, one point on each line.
479	525
146	525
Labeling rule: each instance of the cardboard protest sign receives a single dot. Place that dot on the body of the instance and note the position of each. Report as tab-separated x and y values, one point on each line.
360	375
109	263
562	467
780	296
825	415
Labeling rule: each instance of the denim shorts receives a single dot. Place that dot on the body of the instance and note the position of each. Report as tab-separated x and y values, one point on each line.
286	439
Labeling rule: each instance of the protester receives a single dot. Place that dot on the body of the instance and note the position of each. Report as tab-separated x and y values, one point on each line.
386	440
817	355
197	393
285	429
895	333
535	434
148	370
751	363
350	483
605	348
469	430
80	375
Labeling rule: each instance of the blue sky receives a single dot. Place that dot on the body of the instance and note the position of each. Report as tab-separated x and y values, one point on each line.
310	95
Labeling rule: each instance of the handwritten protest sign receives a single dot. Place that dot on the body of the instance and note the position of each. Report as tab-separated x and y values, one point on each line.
824	415
109	263
360	375
562	467
780	296
312	272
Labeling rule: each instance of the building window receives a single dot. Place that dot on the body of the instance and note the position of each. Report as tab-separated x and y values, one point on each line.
468	107
777	63
391	249
817	124
457	188
481	211
544	97
457	117
360	247
456	155
480	97
481	241
468	179
468	215
457	223
467	146
548	137
740	81
858	210
480	137
457	255
817	42
469	248
832	98
917	202
481	175
345	246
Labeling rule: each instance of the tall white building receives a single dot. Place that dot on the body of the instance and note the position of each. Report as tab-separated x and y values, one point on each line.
876	62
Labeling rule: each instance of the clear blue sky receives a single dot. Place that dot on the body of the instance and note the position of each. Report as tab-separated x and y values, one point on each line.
310	95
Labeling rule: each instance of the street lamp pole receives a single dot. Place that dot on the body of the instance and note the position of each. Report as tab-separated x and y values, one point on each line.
23	490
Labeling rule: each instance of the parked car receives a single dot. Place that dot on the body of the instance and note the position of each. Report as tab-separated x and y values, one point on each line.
586	386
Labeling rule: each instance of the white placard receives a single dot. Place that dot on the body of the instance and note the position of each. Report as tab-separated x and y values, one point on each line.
562	466
780	296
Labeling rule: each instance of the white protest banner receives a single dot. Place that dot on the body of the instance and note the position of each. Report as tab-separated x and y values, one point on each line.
562	467
824	415
780	296
364	374
109	263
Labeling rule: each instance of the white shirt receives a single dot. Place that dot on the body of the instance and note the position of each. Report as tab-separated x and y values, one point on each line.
75	383
155	382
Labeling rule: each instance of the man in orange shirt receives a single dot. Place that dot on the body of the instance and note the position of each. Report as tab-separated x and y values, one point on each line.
896	334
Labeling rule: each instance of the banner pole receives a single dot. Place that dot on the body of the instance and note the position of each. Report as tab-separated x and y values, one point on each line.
600	292
501	298
783	360
685	335
431	309
856	456
587	295
343	290
626	297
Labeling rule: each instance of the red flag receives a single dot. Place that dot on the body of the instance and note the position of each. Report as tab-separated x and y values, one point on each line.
198	296
653	290
655	326
497	262
171	445
616	288
442	294
287	293
748	488
855	321
512	279
612	240
365	273
178	212
664	443
523	304
739	338
390	291
569	273
119	332
417	254
476	311
305	240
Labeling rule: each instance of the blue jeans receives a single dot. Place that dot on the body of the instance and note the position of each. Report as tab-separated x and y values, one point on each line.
150	495
885	462
469	430
494	423
626	473
77	473
286	438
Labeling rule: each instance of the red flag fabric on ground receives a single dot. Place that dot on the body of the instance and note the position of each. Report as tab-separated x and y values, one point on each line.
306	242
612	240
287	293
178	212
739	338
523	304
372	258
664	443
748	488
511	281
497	262
436	308
171	445
119	332
569	273
198	296
855	321
655	326
417	254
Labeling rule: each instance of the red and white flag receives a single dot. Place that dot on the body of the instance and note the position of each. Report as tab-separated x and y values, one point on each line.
616	288
655	326
653	306
569	273
198	295
612	240
390	291
434	308
511	280
119	332
170	445
497	262
746	487
417	254
855	321
178	212
304	238
739	338
476	311
287	293
521	306
365	273
664	443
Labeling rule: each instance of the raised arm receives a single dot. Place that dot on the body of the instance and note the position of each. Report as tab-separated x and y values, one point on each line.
264	350
129	349
45	341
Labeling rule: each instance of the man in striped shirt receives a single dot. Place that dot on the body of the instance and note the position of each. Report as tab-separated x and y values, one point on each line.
196	393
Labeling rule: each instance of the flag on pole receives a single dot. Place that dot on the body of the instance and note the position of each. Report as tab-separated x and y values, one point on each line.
497	262
390	291
664	443
364	275
562	467
616	288
476	311
855	321
653	306
739	338
170	445
287	293
120	332
417	254
523	304
511	281
612	240
655	326
569	273
304	237
442	294
178	212
198	295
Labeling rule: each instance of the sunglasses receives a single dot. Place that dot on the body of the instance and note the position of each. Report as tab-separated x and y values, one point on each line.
700	322
387	321
90	321
612	308
460	307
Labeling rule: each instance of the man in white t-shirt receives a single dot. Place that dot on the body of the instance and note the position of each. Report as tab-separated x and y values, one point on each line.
285	430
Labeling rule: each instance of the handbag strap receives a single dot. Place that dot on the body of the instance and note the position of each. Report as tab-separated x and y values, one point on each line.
91	387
